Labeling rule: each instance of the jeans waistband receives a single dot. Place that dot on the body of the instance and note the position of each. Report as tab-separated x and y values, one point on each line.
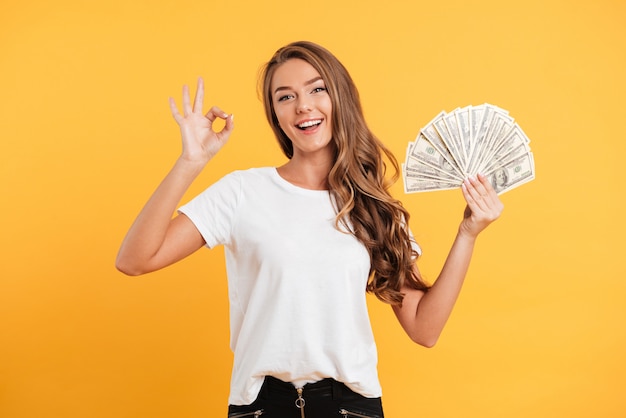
324	388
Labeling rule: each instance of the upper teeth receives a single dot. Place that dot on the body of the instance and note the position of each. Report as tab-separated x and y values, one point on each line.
309	123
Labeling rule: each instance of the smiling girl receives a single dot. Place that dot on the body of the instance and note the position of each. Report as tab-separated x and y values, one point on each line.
303	243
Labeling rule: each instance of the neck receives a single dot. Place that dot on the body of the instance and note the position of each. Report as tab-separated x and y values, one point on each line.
307	173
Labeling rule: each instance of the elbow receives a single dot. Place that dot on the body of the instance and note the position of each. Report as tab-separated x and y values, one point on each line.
128	267
428	341
127	270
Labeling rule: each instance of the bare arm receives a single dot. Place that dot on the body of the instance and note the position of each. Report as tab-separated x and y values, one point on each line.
155	240
423	315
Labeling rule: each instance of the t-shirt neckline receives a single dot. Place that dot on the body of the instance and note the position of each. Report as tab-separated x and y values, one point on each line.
292	187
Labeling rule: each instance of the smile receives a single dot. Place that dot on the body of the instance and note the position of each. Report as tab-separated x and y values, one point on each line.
309	124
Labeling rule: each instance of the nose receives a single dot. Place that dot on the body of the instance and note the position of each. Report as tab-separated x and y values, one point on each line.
303	105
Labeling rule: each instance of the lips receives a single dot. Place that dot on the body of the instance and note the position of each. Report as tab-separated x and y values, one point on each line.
309	124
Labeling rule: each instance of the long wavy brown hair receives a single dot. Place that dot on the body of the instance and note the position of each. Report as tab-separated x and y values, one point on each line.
358	184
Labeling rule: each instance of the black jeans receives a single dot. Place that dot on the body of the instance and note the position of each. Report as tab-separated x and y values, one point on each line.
324	399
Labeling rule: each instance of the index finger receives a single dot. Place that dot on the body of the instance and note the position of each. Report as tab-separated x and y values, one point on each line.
486	184
214	113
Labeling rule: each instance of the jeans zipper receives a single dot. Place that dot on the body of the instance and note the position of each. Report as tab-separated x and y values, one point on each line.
345	414
300	402
254	414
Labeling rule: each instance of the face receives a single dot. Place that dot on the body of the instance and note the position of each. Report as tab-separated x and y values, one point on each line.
500	178
303	108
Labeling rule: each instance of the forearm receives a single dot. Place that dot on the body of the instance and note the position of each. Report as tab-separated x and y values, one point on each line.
148	232
436	305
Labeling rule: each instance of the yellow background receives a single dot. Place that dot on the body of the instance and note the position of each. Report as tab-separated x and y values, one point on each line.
86	135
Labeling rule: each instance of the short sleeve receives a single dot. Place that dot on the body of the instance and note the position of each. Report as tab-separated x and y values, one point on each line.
213	211
414	243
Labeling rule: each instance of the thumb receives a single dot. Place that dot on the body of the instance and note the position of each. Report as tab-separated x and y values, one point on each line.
468	212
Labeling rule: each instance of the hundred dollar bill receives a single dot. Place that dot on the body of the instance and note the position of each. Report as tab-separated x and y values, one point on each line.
423	184
462	120
423	151
449	120
428	166
500	160
452	144
500	133
475	114
515	173
433	136
499	128
482	122
479	157
516	143
415	168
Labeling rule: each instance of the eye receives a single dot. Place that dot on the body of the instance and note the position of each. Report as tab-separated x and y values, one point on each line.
285	97
319	89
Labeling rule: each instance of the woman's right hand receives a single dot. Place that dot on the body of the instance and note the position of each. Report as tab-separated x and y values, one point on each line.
200	141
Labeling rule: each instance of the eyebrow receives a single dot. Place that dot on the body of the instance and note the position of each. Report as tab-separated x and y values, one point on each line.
306	83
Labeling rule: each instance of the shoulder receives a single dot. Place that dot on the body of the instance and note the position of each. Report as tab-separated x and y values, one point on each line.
250	178
245	176
255	173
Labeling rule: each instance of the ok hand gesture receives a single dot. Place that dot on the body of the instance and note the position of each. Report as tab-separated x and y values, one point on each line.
200	141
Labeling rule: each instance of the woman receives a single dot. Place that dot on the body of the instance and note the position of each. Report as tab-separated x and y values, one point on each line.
303	241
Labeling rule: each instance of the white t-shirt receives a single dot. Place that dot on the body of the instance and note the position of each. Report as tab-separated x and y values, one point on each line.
296	284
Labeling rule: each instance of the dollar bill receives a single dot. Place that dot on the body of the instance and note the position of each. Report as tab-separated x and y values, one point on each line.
449	121
424	152
513	174
515	144
430	133
424	184
481	136
462	120
451	140
415	168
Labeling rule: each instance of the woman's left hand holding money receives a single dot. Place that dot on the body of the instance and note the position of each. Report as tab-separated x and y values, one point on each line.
483	205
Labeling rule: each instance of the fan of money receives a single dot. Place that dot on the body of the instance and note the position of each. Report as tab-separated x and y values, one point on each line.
467	141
